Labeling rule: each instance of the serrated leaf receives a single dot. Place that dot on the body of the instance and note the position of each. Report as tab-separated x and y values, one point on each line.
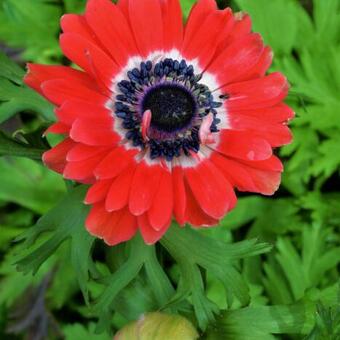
260	323
293	272
193	250
139	256
65	221
329	157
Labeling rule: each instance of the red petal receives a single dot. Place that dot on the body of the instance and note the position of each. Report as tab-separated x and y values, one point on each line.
149	234
263	64
276	114
55	158
97	219
112	29
122	226
115	162
263	176
147	25
70	111
73	23
83	169
89	57
114	228
243	145
118	195
144	185
172	24
234	172
236	28
123	5
194	214
237	59
210	188
161	209
276	134
258	93
267	182
58	128
60	90
203	43
82	152
272	164
197	15
37	74
242	26
98	191
179	195
94	132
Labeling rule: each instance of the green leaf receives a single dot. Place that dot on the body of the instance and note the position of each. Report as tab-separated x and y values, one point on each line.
64	284
140	255
10	70
260	323
247	209
291	263
32	25
13	283
74	6
16	148
193	250
65	221
78	331
329	158
302	155
15	96
327	322
327	20
12	224
324	208
294	272
29	184
269	17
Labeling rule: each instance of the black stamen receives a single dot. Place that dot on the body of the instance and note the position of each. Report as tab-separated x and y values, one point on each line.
224	96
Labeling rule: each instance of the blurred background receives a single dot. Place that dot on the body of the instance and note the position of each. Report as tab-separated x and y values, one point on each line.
302	220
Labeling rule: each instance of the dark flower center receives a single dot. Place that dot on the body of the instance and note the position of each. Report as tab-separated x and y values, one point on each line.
178	102
172	107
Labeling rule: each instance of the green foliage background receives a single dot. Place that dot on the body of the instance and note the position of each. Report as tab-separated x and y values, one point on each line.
284	286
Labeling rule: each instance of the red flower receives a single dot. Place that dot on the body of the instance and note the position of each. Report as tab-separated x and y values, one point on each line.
165	120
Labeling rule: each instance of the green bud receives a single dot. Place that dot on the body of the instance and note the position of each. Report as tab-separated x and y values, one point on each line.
158	326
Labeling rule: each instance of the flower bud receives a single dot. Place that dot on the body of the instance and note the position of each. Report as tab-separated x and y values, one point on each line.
158	326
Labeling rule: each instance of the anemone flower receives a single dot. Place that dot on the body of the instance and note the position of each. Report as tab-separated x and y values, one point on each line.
164	120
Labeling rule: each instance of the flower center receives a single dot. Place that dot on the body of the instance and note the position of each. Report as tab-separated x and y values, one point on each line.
163	108
172	107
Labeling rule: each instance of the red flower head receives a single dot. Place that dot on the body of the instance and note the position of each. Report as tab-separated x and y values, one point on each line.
164	120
